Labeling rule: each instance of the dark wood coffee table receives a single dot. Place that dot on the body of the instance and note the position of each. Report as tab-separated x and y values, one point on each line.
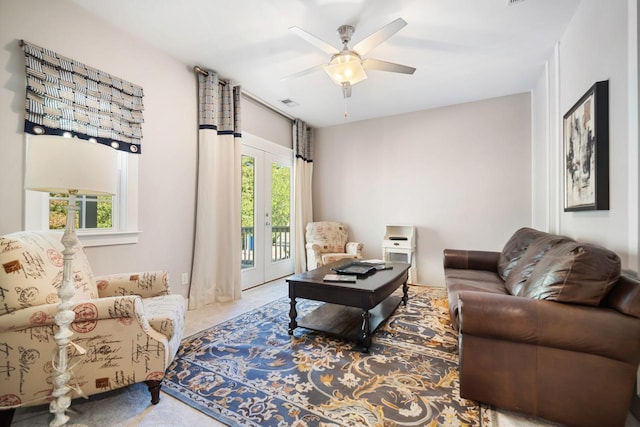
351	310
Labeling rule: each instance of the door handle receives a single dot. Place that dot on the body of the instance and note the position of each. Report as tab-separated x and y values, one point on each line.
267	223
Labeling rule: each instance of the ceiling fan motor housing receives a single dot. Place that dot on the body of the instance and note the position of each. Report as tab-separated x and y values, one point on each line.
345	32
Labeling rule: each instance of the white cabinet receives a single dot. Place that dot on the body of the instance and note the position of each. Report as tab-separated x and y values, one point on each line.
399	244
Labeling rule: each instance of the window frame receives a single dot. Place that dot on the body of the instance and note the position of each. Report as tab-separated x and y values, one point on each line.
125	209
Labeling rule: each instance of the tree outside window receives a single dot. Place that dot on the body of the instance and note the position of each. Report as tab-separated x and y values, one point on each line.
94	212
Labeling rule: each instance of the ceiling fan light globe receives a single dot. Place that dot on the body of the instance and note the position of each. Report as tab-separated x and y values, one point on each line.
350	71
345	56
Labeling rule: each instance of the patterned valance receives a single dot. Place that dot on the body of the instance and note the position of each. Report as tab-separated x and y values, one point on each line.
302	141
65	96
219	105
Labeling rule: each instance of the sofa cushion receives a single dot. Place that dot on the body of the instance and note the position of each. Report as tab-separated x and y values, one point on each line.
333	257
470	280
573	272
31	271
532	255
515	248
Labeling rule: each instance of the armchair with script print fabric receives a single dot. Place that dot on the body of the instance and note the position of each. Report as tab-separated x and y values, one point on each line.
129	326
327	242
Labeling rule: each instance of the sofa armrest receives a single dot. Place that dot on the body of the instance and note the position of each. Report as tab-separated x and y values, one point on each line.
147	284
313	256
129	306
572	327
354	248
314	247
471	260
39	315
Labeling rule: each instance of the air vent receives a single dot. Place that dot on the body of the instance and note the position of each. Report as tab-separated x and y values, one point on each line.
512	2
289	102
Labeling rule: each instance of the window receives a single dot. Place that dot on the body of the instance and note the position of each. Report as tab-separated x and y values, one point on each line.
100	220
94	212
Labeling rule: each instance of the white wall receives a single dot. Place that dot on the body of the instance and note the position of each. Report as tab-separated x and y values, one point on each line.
540	134
167	172
168	163
546	124
460	174
583	57
260	121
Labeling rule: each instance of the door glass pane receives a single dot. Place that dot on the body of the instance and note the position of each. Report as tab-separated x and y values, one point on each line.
248	210
280	212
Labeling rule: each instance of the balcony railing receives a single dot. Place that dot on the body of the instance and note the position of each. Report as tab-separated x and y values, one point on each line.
247	247
280	245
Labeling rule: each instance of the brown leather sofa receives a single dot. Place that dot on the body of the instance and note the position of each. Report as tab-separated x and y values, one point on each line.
547	327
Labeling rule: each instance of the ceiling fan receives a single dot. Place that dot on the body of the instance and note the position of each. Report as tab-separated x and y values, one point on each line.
347	66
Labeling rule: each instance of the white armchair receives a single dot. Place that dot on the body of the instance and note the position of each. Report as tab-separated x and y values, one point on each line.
129	326
327	242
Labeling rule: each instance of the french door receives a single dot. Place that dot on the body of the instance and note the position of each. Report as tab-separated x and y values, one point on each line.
267	232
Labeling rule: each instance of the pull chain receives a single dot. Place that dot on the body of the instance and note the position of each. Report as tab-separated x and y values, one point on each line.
346	93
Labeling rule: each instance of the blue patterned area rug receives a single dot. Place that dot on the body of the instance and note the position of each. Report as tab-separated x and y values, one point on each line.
249	372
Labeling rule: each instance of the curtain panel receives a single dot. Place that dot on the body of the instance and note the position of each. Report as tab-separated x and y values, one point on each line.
303	200
215	275
66	97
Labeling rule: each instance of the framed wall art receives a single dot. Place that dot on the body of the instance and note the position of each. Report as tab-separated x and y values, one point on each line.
586	151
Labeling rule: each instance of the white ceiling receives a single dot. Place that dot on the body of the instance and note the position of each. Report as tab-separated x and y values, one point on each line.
464	50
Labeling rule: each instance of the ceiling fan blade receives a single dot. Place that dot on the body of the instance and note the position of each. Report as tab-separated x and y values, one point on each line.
376	64
320	44
303	72
363	47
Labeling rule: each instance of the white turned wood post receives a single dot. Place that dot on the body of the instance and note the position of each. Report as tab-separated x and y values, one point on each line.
64	317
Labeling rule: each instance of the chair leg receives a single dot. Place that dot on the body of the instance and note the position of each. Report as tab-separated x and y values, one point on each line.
154	389
6	416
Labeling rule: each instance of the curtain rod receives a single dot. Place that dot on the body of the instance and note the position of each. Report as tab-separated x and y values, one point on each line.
251	97
206	73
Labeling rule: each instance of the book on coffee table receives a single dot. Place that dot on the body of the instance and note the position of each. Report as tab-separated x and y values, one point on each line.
339	278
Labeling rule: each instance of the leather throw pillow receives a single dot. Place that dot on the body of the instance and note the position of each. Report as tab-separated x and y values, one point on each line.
574	272
523	269
515	247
